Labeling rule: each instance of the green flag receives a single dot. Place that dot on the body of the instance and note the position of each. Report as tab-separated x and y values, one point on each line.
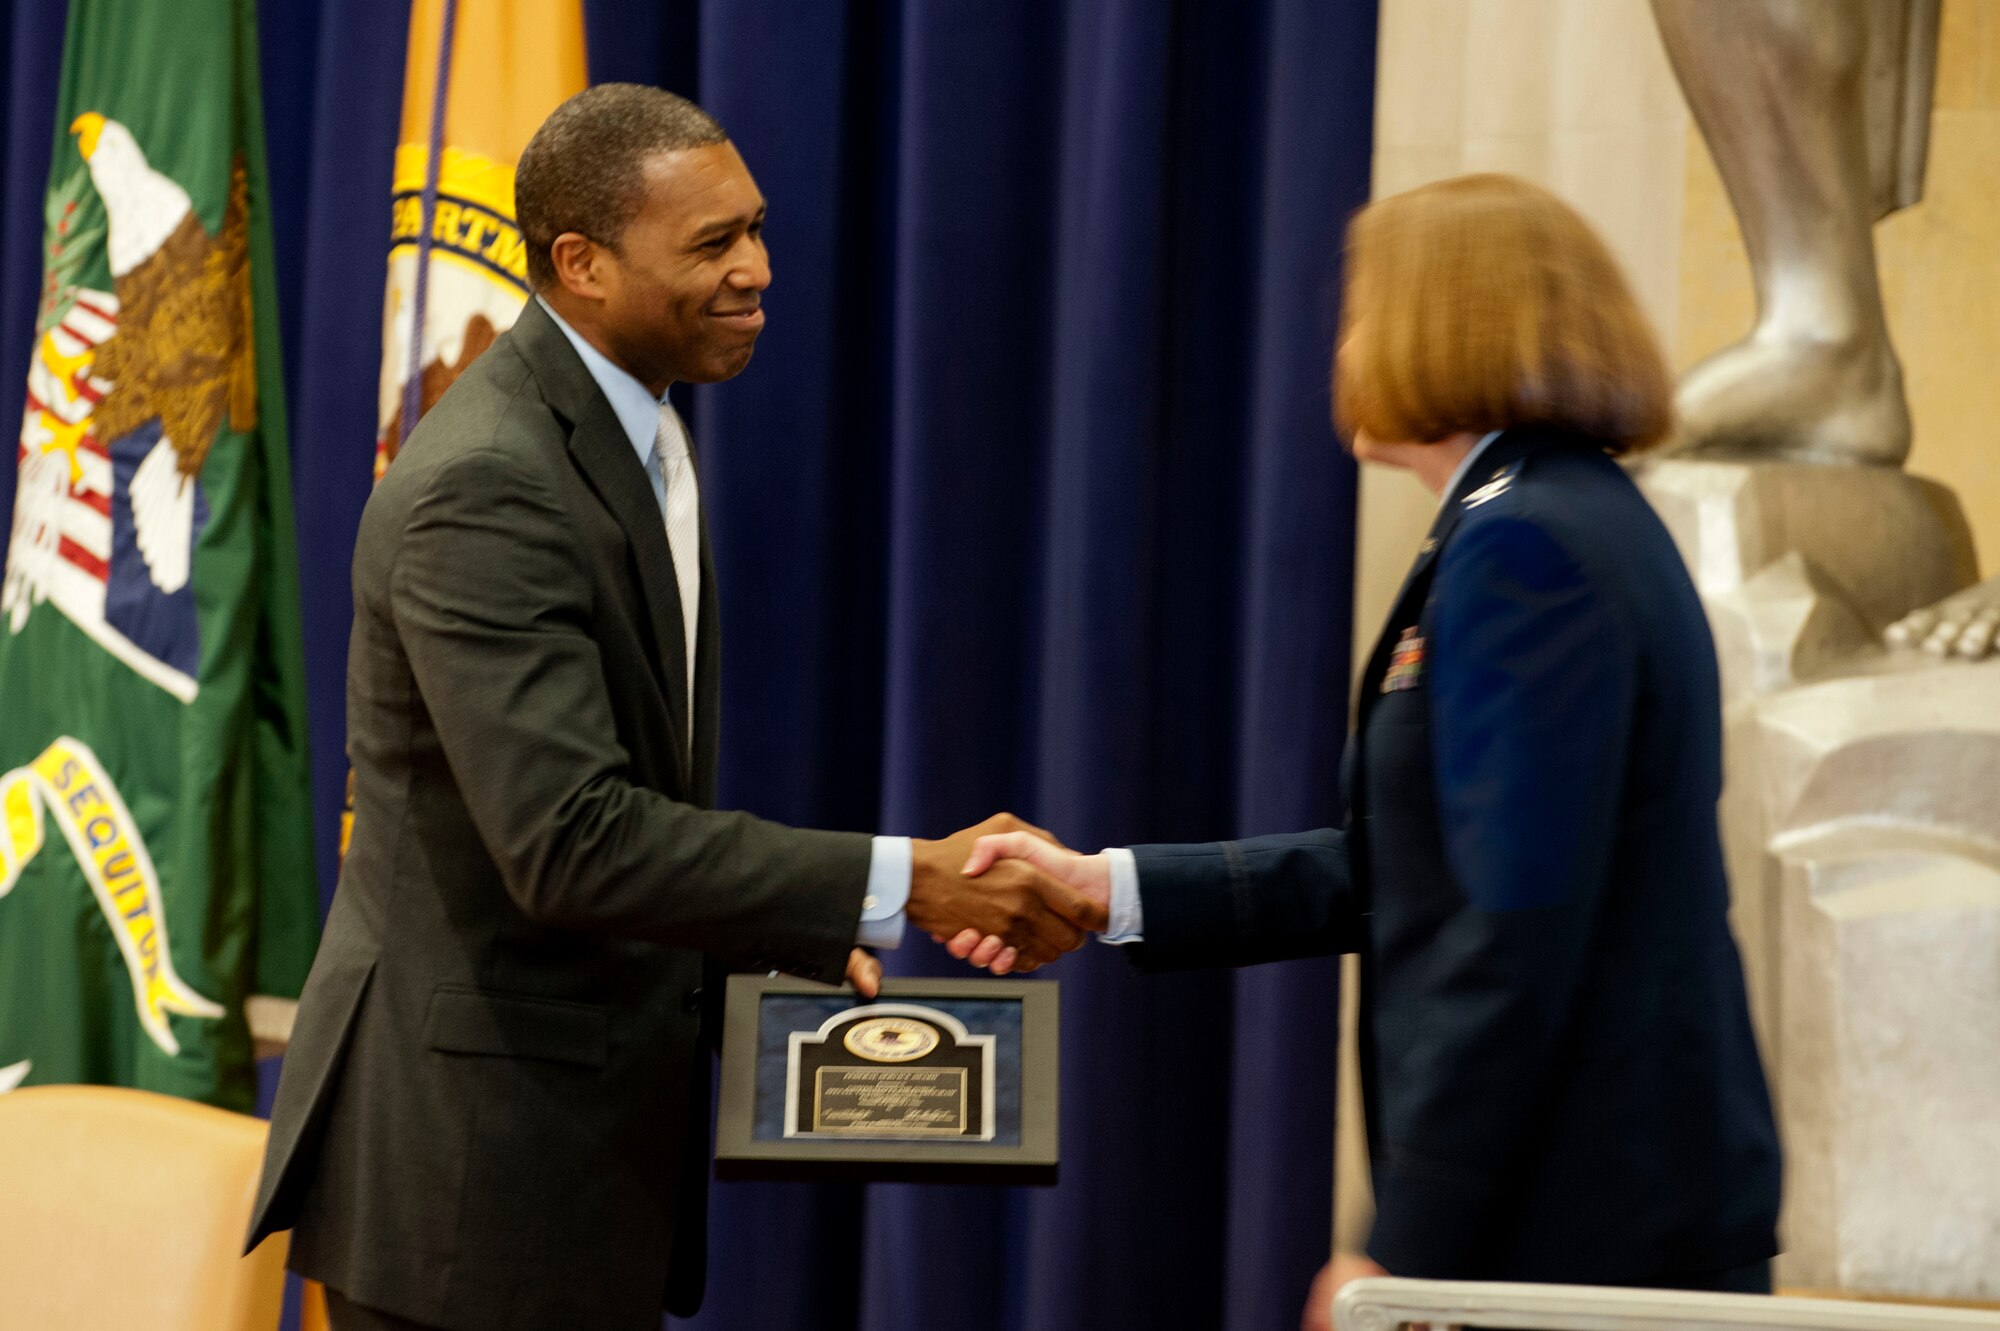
156	862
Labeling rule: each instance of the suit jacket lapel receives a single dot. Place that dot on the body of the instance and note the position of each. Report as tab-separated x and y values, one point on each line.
604	454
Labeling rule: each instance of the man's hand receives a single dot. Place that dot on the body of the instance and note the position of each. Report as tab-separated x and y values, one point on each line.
1089	875
1326	1287
1029	912
864	972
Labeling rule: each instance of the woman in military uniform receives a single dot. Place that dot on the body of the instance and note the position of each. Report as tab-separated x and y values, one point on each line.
1558	1065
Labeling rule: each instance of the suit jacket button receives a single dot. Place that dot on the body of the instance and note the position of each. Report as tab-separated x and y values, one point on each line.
691	1001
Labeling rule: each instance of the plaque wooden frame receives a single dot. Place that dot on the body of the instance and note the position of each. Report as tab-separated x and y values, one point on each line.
1033	1161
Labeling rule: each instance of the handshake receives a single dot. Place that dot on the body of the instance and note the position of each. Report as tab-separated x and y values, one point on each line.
1003	894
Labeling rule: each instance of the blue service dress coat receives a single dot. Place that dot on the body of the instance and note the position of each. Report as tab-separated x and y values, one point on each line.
1558	1066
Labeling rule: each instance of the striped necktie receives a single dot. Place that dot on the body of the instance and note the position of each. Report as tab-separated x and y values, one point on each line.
683	517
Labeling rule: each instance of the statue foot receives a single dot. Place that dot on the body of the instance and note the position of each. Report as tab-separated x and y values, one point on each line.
1964	624
1772	397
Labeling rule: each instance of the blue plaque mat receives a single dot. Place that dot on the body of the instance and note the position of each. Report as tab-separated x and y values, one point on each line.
932	1081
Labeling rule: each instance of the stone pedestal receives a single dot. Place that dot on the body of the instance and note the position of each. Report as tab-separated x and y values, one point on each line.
1862	824
1883	799
1802	566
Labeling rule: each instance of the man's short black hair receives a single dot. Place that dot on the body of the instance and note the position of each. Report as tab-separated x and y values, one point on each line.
582	170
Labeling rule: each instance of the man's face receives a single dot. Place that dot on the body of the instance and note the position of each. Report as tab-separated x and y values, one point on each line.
682	288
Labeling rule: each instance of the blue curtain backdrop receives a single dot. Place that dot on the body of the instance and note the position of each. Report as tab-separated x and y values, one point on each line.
1028	501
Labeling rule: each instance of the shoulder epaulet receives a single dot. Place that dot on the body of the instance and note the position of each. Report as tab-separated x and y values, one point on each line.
1499	483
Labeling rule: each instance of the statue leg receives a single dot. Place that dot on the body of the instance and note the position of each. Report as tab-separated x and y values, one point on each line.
1777	87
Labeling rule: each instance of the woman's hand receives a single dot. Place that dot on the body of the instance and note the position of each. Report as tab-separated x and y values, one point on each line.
1327	1285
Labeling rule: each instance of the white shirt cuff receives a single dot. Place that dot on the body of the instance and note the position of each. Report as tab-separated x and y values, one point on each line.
888	893
1128	916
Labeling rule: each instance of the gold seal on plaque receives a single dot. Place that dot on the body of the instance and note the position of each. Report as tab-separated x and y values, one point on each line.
890	1039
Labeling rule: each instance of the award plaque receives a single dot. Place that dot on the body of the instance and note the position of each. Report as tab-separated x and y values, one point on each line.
933	1081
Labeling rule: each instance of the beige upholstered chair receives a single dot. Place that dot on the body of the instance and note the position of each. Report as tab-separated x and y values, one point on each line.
122	1209
1388	1304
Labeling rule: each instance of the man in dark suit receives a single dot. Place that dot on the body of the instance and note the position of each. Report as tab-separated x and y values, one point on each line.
494	1110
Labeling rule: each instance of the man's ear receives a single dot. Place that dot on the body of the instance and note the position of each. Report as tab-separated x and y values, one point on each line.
578	261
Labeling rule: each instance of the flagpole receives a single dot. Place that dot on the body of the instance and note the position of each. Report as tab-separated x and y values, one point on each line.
413	383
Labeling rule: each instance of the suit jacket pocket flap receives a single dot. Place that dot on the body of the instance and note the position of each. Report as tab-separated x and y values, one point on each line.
476	1021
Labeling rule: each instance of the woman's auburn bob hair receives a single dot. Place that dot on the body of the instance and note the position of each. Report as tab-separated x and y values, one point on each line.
1485	302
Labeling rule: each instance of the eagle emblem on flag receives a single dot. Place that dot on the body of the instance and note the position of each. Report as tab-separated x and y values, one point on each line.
126	392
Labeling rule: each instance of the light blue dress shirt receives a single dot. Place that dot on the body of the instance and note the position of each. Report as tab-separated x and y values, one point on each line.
639	412
1128	917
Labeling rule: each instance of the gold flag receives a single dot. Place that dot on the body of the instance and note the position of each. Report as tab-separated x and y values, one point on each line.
458	275
455	256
